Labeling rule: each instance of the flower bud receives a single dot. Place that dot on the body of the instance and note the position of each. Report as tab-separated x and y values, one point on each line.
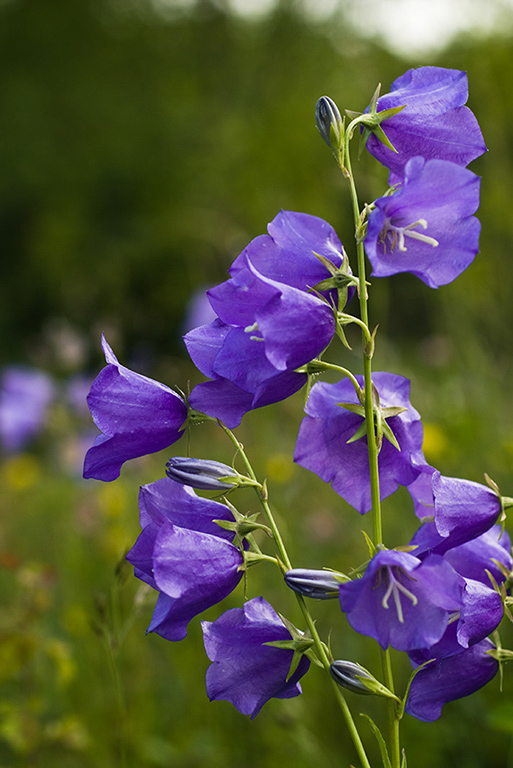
321	585
350	675
205	474
329	122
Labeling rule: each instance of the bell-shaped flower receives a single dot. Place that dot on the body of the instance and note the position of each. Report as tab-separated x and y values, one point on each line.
450	678
183	554
463	509
324	443
426	227
246	670
402	601
434	122
136	416
268	323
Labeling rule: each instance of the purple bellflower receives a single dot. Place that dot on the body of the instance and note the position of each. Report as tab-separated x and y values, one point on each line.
135	414
268	323
322	444
246	671
402	601
434	123
183	554
25	396
426	227
449	678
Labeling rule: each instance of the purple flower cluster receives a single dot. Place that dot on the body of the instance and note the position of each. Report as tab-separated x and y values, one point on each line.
276	314
427	226
268	321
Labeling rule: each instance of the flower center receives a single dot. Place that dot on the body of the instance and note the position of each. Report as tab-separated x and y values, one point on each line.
396	236
395	588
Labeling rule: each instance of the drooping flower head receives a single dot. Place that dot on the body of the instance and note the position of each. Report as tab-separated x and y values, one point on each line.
322	445
244	670
183	554
402	601
460	510
426	227
434	124
135	414
268	321
450	678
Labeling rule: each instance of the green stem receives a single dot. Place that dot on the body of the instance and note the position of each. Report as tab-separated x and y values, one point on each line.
367	354
394	743
319	645
395	747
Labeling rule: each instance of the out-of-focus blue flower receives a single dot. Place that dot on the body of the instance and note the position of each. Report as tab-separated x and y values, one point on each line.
198	311
322	445
268	322
426	227
450	678
246	671
135	414
402	601
183	554
434	123
25	395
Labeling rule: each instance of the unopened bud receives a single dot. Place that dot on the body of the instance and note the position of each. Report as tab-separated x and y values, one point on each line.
353	677
329	122
322	585
205	474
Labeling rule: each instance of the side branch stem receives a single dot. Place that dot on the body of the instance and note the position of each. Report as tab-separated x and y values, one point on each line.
319	645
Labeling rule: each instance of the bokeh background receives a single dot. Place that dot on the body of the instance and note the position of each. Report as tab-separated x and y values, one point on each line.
143	143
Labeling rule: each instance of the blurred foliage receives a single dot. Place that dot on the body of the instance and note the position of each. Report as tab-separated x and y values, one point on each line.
139	154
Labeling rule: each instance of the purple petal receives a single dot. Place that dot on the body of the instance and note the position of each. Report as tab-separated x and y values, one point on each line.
165	501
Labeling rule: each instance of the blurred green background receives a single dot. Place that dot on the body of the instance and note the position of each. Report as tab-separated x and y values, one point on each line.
142	145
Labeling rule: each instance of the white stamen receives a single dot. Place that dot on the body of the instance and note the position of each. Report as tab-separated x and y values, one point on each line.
398	234
394	588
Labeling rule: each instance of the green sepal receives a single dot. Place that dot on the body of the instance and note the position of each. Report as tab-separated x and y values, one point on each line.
404	764
253	558
300	643
244	527
400	712
501	654
370	544
360	432
387	432
376	688
354	408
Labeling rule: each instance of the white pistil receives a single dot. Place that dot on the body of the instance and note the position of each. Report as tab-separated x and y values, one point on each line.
394	588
